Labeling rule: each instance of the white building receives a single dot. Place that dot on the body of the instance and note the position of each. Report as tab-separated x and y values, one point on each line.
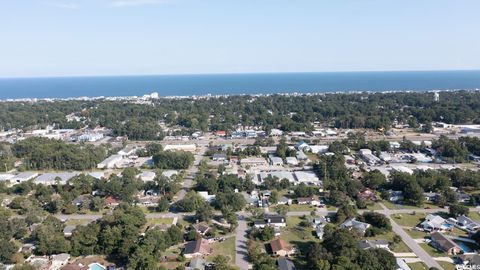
180	147
23	176
147	176
110	162
53	178
253	162
292	161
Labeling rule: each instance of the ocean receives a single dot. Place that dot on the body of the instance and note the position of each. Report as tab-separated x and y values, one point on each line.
232	84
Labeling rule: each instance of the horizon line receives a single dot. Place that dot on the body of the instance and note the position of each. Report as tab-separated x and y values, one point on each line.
229	73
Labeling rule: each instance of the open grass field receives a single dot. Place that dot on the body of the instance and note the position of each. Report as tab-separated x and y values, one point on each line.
225	248
408	220
433	251
418	266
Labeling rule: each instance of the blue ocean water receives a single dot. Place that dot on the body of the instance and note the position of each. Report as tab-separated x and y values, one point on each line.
262	83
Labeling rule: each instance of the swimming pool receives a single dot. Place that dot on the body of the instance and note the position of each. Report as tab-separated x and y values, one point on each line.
464	246
96	266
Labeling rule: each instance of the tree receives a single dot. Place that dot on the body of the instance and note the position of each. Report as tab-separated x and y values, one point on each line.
220	262
163	204
273	197
178	160
373	179
232	201
49	237
344	212
204	212
7	250
456	210
191	202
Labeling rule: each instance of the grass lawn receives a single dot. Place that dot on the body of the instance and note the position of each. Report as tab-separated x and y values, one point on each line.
374	206
447	265
433	251
408	220
416	234
300	208
312	157
294	233
400	247
418	266
475	215
77	222
394	206
153	221
225	248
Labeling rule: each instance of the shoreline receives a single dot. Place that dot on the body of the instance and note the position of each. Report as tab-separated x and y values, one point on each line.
156	96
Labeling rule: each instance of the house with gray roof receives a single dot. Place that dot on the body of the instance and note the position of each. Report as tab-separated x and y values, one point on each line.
353	224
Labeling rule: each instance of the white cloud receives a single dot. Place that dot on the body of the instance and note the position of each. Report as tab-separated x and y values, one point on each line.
130	3
64	5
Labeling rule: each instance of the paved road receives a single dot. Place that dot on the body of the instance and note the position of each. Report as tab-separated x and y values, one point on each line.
191	172
409	241
241	255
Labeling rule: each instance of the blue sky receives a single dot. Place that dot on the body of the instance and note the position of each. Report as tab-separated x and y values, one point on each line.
129	37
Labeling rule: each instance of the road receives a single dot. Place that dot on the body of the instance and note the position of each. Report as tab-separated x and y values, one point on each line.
408	240
191	172
241	255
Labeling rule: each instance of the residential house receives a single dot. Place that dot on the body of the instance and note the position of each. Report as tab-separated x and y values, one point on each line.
202	228
435	223
430	196
367	195
462	197
443	243
396	196
207	197
68	230
353	224
275	221
275	161
371	244
111	201
220	133
285	264
219	157
281	248
314	200
59	260
302	146
196	248
469	259
468	224
284	200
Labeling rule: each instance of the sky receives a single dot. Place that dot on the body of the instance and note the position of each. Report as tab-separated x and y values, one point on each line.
139	37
